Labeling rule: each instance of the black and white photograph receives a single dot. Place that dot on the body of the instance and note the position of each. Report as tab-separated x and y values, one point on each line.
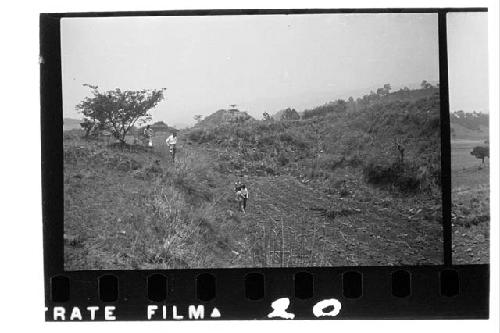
237	141
469	124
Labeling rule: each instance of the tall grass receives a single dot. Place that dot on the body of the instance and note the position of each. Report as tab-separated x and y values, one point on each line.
150	214
175	236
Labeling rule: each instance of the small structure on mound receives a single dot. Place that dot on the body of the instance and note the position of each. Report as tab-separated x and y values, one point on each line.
225	116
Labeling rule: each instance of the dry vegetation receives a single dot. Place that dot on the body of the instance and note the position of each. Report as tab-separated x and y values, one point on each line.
128	208
471	202
329	189
361	135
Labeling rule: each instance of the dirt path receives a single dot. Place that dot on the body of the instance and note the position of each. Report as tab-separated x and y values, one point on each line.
292	232
284	226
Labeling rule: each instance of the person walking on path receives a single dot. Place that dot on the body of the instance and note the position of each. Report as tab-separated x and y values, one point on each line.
148	134
237	185
242	197
244	194
172	142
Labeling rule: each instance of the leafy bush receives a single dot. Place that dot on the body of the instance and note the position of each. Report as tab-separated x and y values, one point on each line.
283	159
401	175
201	135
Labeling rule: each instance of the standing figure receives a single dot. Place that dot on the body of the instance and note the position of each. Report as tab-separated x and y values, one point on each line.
242	197
244	194
172	142
237	185
148	134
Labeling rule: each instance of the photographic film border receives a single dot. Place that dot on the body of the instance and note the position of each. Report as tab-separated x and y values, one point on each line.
376	301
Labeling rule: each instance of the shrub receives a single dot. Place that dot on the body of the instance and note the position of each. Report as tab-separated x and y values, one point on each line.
201	135
314	172
354	160
195	134
401	175
267	141
74	154
193	185
283	159
331	161
379	172
174	230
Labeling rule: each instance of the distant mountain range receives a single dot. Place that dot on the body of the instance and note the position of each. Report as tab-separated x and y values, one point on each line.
71	124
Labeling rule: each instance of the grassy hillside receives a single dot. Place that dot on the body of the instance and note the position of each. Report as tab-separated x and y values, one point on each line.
330	189
459	132
363	137
132	208
470	190
470	120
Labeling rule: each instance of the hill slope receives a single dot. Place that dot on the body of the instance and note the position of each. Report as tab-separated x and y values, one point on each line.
459	132
394	139
134	209
328	190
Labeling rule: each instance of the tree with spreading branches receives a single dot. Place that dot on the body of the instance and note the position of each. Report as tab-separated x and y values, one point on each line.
117	110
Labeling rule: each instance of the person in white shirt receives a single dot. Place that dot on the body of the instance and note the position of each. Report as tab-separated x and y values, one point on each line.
172	142
148	134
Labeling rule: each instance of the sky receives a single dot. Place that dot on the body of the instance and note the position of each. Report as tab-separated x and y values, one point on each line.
260	63
468	61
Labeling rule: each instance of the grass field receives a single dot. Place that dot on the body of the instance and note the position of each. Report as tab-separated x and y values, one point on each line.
471	203
132	208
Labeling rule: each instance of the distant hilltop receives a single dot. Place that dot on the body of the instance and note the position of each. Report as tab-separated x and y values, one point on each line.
159	126
180	126
469	125
71	124
390	138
